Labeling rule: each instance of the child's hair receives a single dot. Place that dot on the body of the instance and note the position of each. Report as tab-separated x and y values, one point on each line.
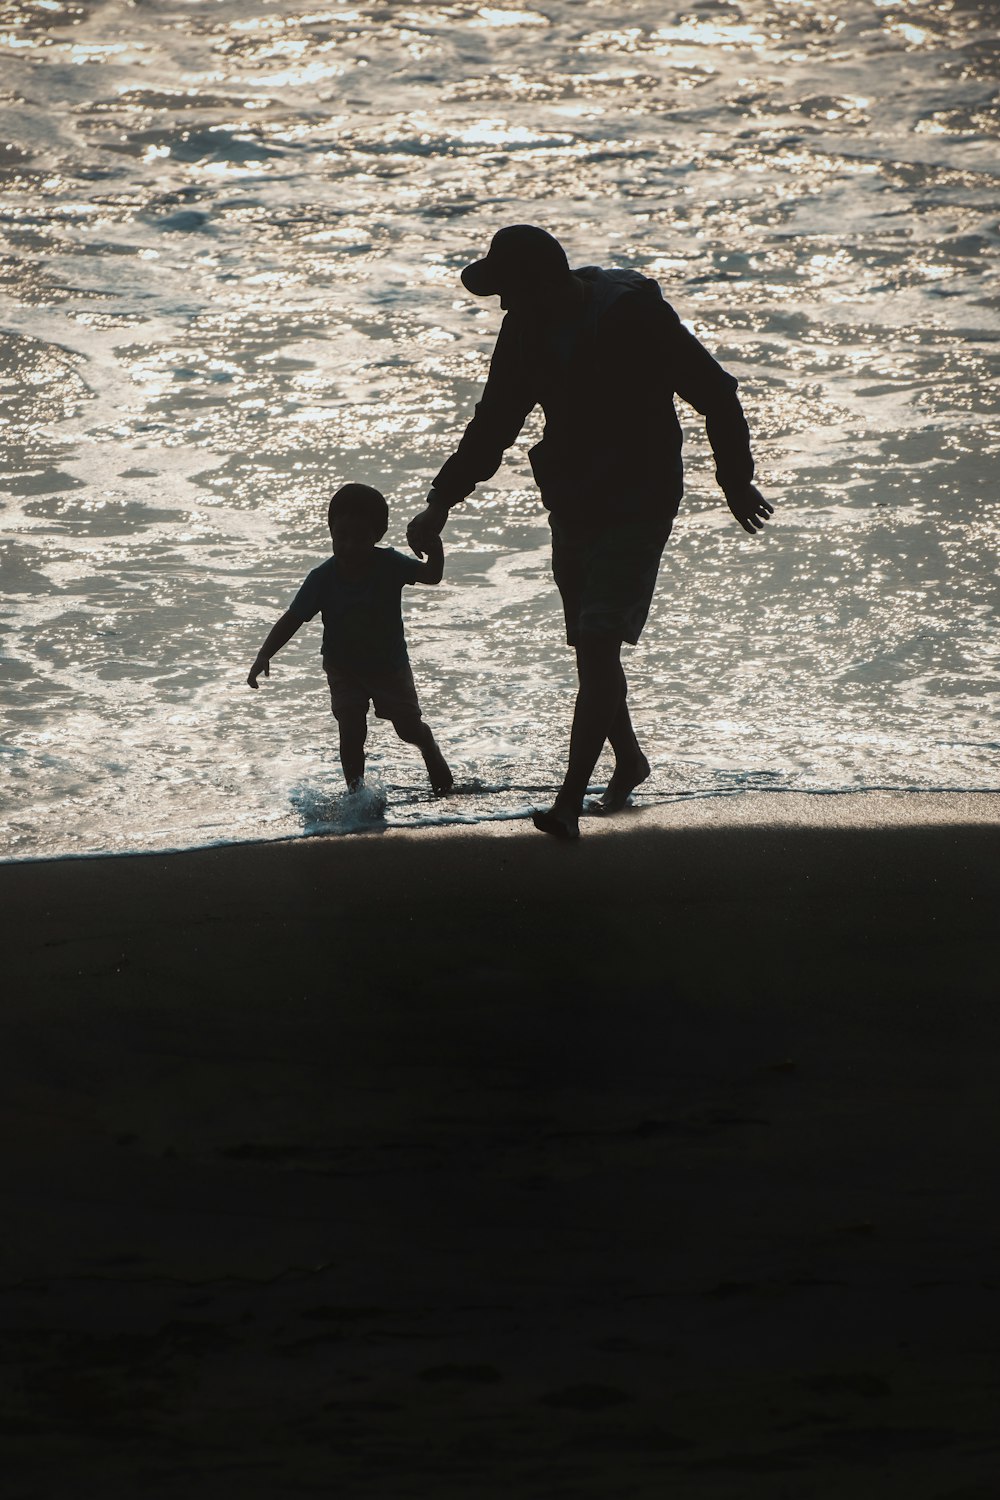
362	501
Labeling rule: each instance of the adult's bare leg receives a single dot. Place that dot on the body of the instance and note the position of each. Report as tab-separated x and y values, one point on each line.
631	766
600	699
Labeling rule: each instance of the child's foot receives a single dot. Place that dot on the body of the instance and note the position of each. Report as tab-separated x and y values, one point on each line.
624	780
442	780
368	801
560	824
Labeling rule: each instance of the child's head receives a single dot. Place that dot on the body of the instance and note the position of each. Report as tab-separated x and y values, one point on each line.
358	517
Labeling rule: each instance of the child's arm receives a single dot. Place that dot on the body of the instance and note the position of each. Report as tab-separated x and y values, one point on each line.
280	636
432	571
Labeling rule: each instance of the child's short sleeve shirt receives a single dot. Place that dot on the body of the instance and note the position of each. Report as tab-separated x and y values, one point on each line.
362	617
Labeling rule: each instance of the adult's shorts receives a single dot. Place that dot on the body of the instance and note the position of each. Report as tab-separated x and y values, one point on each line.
606	572
393	694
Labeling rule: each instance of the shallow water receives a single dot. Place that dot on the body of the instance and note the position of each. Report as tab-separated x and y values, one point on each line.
231	239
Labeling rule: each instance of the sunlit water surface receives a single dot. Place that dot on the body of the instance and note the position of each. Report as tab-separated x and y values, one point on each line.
231	237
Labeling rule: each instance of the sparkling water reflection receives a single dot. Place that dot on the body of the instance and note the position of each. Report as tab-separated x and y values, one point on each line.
231	243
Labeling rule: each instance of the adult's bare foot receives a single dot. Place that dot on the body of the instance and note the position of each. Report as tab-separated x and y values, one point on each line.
624	780
561	825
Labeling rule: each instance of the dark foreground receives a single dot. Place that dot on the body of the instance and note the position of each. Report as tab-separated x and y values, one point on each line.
476	1165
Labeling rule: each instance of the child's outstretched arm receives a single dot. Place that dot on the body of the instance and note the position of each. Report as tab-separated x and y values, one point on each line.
433	569
279	636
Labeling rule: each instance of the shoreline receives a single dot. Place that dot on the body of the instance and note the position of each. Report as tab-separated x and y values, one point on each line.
465	1162
961	807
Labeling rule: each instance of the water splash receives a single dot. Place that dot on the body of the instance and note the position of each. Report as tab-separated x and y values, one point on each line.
359	811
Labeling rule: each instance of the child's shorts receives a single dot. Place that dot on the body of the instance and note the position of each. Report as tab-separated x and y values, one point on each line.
606	574
394	694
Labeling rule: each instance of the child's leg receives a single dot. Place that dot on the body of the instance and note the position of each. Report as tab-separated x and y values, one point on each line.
353	726
413	731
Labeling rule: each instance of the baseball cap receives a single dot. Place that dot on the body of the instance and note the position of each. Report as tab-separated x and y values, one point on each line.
518	254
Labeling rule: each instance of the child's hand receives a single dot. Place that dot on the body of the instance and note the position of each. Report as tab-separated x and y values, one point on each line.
260	665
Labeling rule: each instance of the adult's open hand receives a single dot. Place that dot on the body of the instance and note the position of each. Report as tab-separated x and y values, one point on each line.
427	525
750	508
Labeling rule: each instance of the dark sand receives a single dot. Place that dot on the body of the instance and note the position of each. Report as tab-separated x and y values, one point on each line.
475	1165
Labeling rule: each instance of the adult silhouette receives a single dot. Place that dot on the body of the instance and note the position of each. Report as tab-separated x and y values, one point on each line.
604	355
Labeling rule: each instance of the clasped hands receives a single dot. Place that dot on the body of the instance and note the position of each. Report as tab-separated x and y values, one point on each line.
427	525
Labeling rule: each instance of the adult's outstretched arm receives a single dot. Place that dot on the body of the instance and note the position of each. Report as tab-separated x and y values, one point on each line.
705	385
749	507
701	381
498	418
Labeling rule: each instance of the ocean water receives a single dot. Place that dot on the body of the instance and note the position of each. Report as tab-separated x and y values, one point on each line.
231	237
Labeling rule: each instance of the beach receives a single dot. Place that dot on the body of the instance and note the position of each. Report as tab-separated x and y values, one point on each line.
462	1162
427	1156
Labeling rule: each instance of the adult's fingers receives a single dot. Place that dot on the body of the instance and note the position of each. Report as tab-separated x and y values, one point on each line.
415	537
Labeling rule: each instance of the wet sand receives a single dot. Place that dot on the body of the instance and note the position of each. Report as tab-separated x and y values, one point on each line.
468	1164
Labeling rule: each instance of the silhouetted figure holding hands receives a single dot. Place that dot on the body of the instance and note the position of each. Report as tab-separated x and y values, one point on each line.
358	592
603	354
